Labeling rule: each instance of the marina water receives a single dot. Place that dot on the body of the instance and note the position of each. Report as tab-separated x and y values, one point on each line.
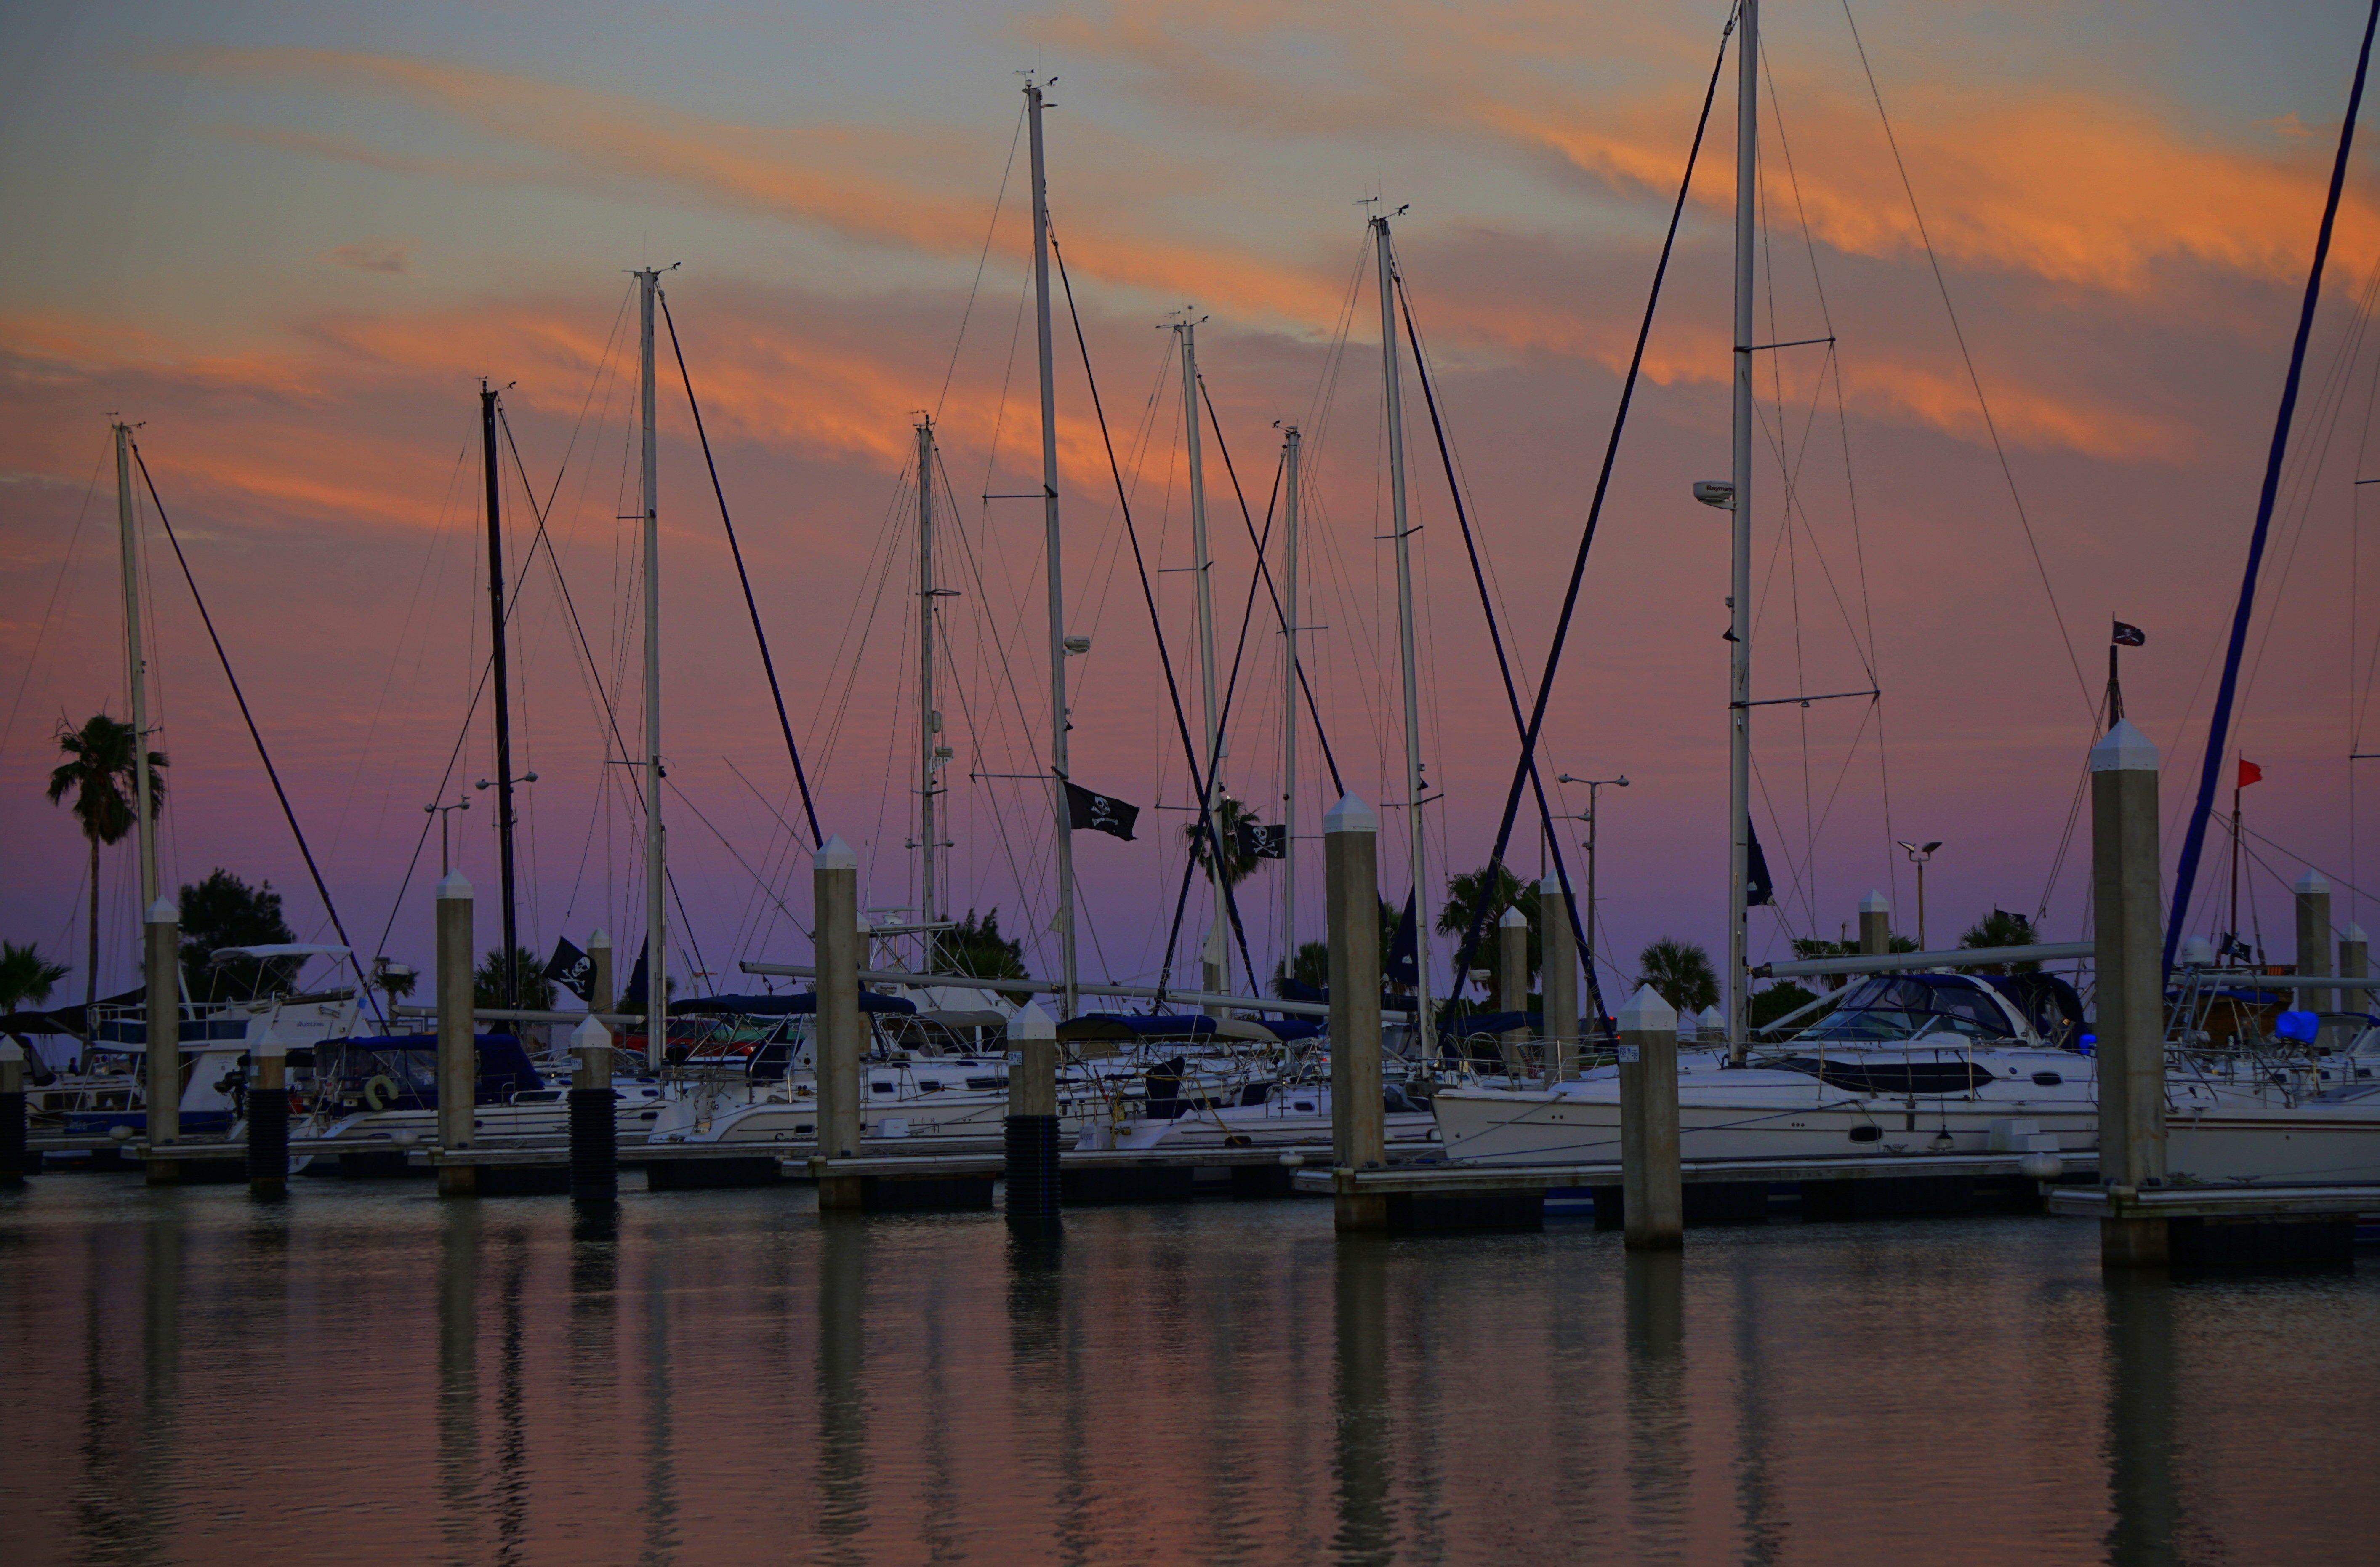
369	1374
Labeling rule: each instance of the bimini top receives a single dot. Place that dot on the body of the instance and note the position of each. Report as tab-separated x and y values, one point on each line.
276	949
1126	1026
801	1005
1889	1007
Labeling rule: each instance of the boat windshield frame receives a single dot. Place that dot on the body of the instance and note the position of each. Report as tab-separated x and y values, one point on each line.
1863	1015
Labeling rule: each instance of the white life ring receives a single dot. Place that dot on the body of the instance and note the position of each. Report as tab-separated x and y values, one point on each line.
374	1095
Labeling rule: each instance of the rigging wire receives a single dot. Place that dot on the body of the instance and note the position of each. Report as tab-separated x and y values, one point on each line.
767	664
2219	725
288	812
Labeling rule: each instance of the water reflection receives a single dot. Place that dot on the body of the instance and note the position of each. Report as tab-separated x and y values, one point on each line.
725	1377
1361	1462
2143	1496
1659	1463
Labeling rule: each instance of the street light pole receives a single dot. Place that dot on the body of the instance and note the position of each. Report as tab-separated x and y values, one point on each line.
1918	855
1593	787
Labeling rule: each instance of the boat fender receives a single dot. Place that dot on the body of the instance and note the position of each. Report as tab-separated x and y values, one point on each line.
378	1091
1866	1134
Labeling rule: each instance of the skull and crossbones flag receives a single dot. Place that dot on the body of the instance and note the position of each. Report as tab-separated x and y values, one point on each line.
1260	841
1100	813
569	968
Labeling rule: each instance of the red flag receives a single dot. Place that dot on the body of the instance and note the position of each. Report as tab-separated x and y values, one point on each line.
2250	773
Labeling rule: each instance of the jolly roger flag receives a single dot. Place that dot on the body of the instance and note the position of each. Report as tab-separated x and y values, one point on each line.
1259	842
569	968
1100	813
2129	636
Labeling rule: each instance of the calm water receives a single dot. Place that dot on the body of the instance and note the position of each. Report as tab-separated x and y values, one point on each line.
366	1374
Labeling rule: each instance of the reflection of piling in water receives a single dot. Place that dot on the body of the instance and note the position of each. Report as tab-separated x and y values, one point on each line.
661	1432
1658	1471
842	1403
2145	1521
152	1509
511	1481
459	1376
1360	1389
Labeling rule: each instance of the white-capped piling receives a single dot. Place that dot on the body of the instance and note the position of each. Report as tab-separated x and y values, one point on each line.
458	1056
1557	981
594	1131
2354	963
161	943
1350	838
2313	938
1512	985
12	1111
1652	1193
2130	961
834	880
1031	1129
268	1121
1876	924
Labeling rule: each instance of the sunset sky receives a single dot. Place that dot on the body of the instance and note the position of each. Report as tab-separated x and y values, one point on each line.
288	241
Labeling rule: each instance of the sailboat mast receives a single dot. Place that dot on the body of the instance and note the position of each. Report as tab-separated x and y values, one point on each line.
1217	961
1058	724
1414	781
1289	702
930	720
135	672
656	870
1739	771
502	681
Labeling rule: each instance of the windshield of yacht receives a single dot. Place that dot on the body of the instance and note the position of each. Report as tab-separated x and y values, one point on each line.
1907	1006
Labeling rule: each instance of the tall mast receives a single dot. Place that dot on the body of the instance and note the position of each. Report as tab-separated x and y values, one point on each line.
656	869
1058	724
1414	781
1217	961
1289	702
135	672
930	720
1738	759
502	682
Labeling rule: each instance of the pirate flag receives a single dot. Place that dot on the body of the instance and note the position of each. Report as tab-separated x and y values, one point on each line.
1100	813
2128	636
1259	842
569	968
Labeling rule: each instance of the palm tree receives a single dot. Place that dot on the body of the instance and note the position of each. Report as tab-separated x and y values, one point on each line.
1309	966
101	758
1462	895
976	949
2001	929
488	988
26	974
1237	862
1681	971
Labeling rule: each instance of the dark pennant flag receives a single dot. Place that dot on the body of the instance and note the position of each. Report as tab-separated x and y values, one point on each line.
2129	636
1757	887
1404	967
633	999
569	968
1259	842
1100	813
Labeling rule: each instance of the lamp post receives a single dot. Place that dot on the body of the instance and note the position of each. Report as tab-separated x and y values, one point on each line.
1593	787
1918	855
445	851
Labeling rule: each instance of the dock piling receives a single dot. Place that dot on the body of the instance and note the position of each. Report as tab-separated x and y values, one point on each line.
1876	924
1350	838
2354	963
599	972
836	905
1557	953
1031	1162
459	1063
161	934
2313	938
2129	958
1651	1183
268	1121
1512	985
594	1135
12	1111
